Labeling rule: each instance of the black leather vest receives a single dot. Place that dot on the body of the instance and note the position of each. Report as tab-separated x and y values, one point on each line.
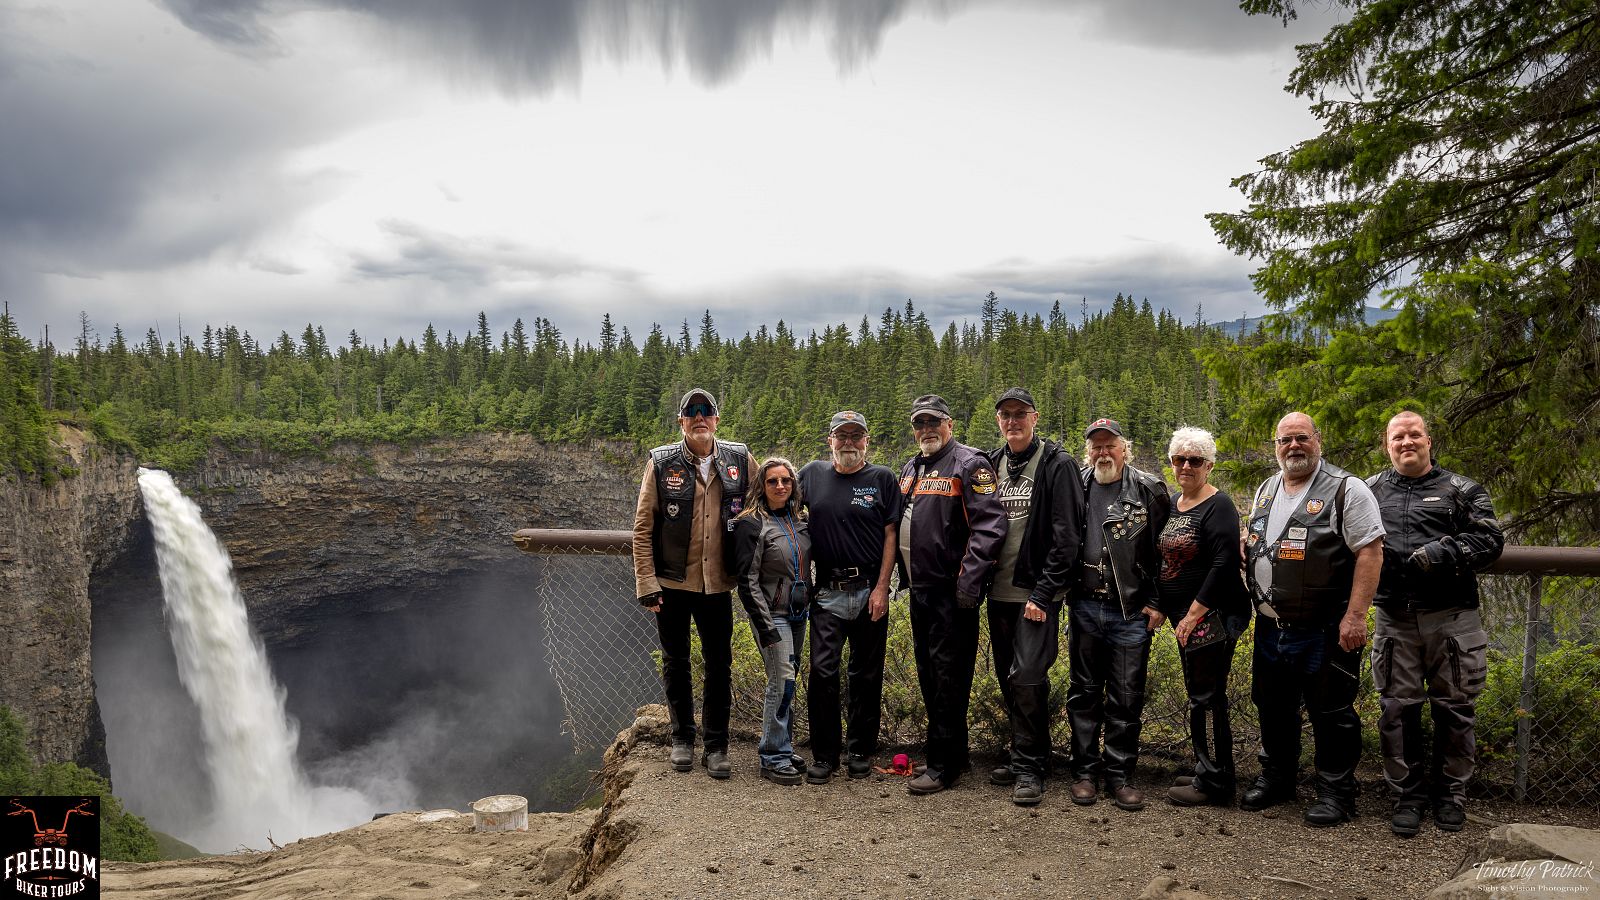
674	520
1312	568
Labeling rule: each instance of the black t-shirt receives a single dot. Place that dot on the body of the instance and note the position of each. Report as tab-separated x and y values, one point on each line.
1100	498
848	514
1200	558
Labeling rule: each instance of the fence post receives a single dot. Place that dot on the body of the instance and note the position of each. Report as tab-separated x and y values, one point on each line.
1525	703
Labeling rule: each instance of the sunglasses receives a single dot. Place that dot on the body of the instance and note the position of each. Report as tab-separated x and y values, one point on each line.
779	480
698	409
1194	462
1293	439
925	423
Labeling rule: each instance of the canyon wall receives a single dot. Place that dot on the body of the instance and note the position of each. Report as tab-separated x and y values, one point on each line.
306	532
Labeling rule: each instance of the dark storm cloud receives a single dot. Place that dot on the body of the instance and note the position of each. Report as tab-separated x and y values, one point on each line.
474	262
118	158
532	47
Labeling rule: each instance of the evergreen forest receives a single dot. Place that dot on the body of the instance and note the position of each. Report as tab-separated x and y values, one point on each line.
167	401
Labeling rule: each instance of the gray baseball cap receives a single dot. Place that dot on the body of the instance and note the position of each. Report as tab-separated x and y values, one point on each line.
701	393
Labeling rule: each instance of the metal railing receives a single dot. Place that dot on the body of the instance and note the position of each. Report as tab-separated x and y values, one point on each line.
1538	723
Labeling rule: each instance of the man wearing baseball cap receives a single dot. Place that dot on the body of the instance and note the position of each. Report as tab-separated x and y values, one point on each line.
1044	504
689	495
1113	613
854	511
950	535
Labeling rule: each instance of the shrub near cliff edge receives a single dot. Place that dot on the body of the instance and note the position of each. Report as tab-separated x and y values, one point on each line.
123	835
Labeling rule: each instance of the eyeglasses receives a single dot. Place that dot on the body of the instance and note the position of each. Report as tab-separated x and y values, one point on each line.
1194	462
698	409
925	423
849	437
1293	439
1014	416
779	480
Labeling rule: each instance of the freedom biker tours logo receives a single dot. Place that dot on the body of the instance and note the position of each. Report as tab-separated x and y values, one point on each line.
51	847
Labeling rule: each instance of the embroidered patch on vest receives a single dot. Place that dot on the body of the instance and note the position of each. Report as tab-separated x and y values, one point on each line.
672	510
733	473
1313	507
675	479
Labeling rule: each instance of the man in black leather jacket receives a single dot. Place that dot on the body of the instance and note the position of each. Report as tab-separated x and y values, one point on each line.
950	534
1113	615
1429	642
1043	499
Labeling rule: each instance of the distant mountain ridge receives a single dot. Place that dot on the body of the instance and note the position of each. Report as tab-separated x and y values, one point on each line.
1244	326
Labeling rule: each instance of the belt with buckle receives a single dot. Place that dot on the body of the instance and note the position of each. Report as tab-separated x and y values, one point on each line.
849	579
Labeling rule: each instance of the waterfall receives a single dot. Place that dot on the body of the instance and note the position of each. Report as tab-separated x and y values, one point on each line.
258	787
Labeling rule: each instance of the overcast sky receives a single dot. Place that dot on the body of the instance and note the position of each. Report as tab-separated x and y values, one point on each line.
381	164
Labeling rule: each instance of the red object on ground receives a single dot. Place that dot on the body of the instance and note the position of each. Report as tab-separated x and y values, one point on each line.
900	766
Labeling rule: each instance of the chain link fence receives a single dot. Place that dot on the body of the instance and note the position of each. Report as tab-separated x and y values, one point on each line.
1538	724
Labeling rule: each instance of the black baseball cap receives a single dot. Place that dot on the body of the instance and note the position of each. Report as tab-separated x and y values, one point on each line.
1110	425
1021	395
931	403
847	417
698	392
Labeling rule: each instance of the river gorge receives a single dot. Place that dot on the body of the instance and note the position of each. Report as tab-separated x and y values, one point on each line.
381	580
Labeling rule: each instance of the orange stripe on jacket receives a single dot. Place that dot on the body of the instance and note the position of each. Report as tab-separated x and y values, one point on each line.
941	487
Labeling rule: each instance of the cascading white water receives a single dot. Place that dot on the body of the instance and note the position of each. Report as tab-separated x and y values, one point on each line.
258	787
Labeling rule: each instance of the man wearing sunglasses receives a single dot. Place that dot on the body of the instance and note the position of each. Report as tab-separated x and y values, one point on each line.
1429	643
854	507
1039	490
950	535
688	498
1114	611
1313	551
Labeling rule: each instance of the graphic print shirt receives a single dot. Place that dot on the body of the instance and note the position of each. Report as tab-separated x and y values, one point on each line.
1016	495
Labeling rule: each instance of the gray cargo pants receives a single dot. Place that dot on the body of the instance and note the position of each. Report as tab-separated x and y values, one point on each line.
1439	656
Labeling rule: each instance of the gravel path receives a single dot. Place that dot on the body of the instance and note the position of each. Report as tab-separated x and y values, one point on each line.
684	835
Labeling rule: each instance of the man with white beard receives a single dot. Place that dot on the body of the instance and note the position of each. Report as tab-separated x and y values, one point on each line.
950	536
1313	554
855	509
1112	616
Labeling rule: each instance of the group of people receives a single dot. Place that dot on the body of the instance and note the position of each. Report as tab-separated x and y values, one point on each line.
1115	552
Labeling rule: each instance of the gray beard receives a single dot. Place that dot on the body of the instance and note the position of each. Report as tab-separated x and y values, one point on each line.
1107	472
1297	467
930	446
848	459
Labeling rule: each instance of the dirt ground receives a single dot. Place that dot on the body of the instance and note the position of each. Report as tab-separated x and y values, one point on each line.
670	834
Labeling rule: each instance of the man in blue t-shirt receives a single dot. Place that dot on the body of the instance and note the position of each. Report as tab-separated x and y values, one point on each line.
855	511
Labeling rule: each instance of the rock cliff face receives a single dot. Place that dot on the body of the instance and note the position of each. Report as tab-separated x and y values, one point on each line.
51	542
305	533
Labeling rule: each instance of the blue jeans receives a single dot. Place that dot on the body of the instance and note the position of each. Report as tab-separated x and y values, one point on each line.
777	709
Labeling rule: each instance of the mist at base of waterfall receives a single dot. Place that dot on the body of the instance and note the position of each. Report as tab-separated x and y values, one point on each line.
424	696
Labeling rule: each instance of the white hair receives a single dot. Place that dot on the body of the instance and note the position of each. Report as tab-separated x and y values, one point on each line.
1192	441
1127	446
